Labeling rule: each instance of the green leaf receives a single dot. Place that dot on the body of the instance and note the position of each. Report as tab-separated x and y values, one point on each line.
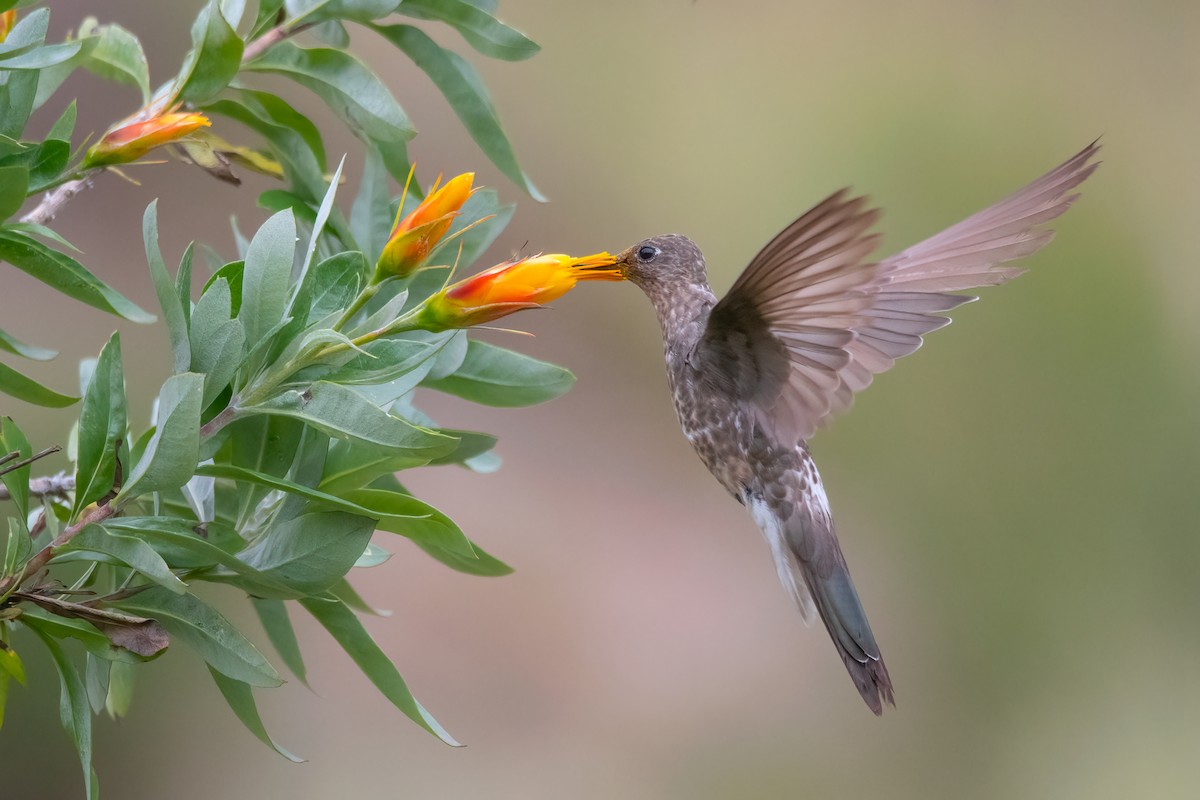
389	511
17	385
385	360
349	632
65	274
64	126
74	710
96	674
265	445
318	226
37	58
483	31
495	376
270	12
14	185
4	681
47	164
233	274
202	628
127	550
183	283
18	546
88	635
275	621
164	287
12	440
464	90
471	444
407	516
332	285
311	551
351	91
312	11
218	342
117	55
371	215
19	91
373	556
268	276
180	546
341	413
215	57
483	564
102	425
241	699
14	345
272	117
171	455
10	663
122	677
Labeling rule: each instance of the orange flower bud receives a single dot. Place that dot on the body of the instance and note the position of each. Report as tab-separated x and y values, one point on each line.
7	20
509	287
417	234
130	141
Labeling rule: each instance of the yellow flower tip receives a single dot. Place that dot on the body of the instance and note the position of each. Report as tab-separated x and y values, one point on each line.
7	20
129	141
512	286
414	237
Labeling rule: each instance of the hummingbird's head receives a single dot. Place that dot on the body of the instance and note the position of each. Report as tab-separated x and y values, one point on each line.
662	263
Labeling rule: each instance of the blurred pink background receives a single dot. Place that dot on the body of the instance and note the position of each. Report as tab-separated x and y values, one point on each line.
1017	502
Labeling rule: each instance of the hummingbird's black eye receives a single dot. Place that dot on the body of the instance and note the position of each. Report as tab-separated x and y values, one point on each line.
647	253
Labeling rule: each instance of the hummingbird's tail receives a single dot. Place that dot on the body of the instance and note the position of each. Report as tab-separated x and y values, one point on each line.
811	566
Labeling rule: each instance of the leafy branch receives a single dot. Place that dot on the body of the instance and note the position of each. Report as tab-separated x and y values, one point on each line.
297	372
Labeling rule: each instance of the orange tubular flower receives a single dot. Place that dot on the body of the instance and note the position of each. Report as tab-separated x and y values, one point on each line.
509	287
7	20
417	234
130	141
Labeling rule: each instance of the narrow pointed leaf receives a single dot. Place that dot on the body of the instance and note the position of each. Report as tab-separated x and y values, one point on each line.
96	674
128	550
17	347
341	413
12	440
202	628
240	698
477	25
14	185
74	710
214	59
273	615
495	376
171	455
116	54
464	89
121	679
164	287
102	425
349	632
65	274
17	385
267	278
311	551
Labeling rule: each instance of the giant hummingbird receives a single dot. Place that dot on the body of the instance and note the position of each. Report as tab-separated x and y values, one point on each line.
808	324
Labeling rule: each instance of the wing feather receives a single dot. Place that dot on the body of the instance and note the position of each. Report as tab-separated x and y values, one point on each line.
818	321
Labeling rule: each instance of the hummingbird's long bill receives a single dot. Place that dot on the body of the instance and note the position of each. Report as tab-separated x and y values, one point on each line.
809	323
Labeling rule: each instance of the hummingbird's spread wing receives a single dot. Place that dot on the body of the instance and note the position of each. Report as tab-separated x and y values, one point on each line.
810	322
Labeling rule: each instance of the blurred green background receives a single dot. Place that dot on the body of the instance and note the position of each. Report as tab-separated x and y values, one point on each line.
1017	501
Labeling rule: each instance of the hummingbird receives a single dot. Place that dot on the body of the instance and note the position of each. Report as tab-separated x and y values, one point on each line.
808	324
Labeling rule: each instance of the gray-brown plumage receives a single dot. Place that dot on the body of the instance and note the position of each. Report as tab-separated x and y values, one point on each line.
808	324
